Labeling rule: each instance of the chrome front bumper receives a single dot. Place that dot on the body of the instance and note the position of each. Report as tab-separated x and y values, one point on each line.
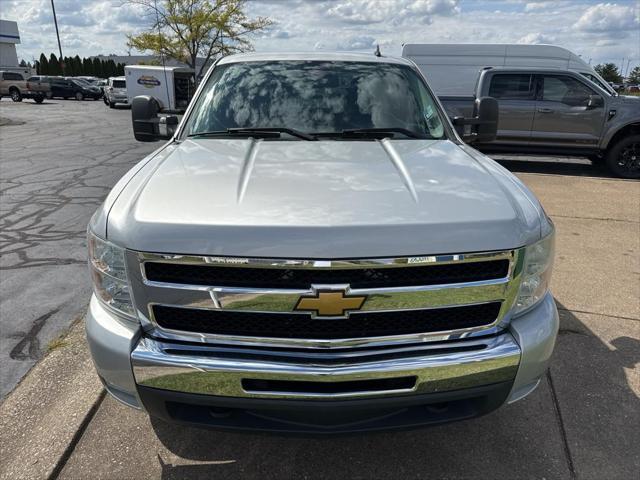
180	368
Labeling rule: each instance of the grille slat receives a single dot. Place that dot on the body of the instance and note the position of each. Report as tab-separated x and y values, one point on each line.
302	278
358	325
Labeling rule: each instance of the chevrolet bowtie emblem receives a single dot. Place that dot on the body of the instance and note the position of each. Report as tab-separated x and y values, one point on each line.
330	303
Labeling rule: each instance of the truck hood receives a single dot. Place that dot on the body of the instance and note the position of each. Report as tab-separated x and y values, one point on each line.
323	199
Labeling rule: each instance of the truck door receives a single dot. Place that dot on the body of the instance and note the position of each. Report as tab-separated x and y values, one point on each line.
515	93
566	113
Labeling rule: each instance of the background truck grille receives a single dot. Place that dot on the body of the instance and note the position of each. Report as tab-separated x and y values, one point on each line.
302	278
303	326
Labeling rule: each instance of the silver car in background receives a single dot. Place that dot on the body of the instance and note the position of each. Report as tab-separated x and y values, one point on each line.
115	91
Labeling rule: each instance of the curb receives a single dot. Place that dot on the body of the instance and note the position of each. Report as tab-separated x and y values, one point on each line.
43	418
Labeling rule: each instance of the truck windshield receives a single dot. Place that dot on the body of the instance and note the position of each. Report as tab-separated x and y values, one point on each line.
321	98
119	84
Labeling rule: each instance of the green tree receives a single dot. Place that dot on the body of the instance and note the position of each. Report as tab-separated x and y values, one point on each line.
634	75
43	65
54	65
87	66
609	71
184	29
97	67
77	65
113	69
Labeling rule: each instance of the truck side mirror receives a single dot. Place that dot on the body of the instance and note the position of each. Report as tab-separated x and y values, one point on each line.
146	122
487	112
595	101
483	126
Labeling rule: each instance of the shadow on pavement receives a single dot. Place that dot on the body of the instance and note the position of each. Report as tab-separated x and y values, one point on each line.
583	418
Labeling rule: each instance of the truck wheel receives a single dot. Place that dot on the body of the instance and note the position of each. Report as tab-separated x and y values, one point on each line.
15	95
79	96
112	104
38	99
624	157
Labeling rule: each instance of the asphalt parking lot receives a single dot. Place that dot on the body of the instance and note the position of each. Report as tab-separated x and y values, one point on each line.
56	168
59	161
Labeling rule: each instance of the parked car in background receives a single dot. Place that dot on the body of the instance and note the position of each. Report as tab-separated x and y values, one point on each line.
72	88
549	111
115	91
87	84
39	87
89	79
100	83
14	85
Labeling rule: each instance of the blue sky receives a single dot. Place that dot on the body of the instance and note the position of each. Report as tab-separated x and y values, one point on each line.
600	31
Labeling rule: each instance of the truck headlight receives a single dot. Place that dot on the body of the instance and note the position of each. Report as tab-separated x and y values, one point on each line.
536	273
109	275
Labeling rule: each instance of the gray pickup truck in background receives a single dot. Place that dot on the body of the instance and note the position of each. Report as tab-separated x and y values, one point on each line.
551	111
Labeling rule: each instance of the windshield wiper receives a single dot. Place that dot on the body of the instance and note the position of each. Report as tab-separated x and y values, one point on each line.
261	132
373	133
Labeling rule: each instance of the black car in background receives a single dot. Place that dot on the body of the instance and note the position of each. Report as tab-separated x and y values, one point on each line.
73	88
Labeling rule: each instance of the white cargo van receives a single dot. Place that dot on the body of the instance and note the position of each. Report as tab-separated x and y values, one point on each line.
172	87
452	69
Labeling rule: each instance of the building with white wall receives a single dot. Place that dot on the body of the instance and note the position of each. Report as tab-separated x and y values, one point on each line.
9	38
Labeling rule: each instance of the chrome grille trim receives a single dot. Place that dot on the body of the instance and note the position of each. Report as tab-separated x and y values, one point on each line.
239	262
146	293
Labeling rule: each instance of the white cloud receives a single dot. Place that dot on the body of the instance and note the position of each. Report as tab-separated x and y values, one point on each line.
535	39
377	11
359	42
608	17
601	31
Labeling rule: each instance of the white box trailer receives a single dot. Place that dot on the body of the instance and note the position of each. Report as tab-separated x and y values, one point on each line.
452	69
172	87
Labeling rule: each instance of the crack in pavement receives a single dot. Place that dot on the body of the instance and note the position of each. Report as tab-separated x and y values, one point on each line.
561	427
30	339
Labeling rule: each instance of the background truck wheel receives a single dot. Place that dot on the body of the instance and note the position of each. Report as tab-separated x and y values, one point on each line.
624	157
112	104
79	96
15	95
38	99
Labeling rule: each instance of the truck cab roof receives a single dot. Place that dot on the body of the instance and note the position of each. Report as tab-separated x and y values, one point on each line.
313	56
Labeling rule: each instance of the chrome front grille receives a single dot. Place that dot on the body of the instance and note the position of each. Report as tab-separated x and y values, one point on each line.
246	301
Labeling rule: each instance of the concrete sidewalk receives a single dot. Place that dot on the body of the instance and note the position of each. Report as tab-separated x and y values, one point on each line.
582	422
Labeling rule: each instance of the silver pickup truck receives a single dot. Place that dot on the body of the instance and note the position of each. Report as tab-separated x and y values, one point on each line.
551	111
315	249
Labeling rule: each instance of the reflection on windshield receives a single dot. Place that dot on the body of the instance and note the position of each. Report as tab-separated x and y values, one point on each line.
315	96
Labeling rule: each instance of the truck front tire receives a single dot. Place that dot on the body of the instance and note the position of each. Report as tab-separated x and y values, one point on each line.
623	159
